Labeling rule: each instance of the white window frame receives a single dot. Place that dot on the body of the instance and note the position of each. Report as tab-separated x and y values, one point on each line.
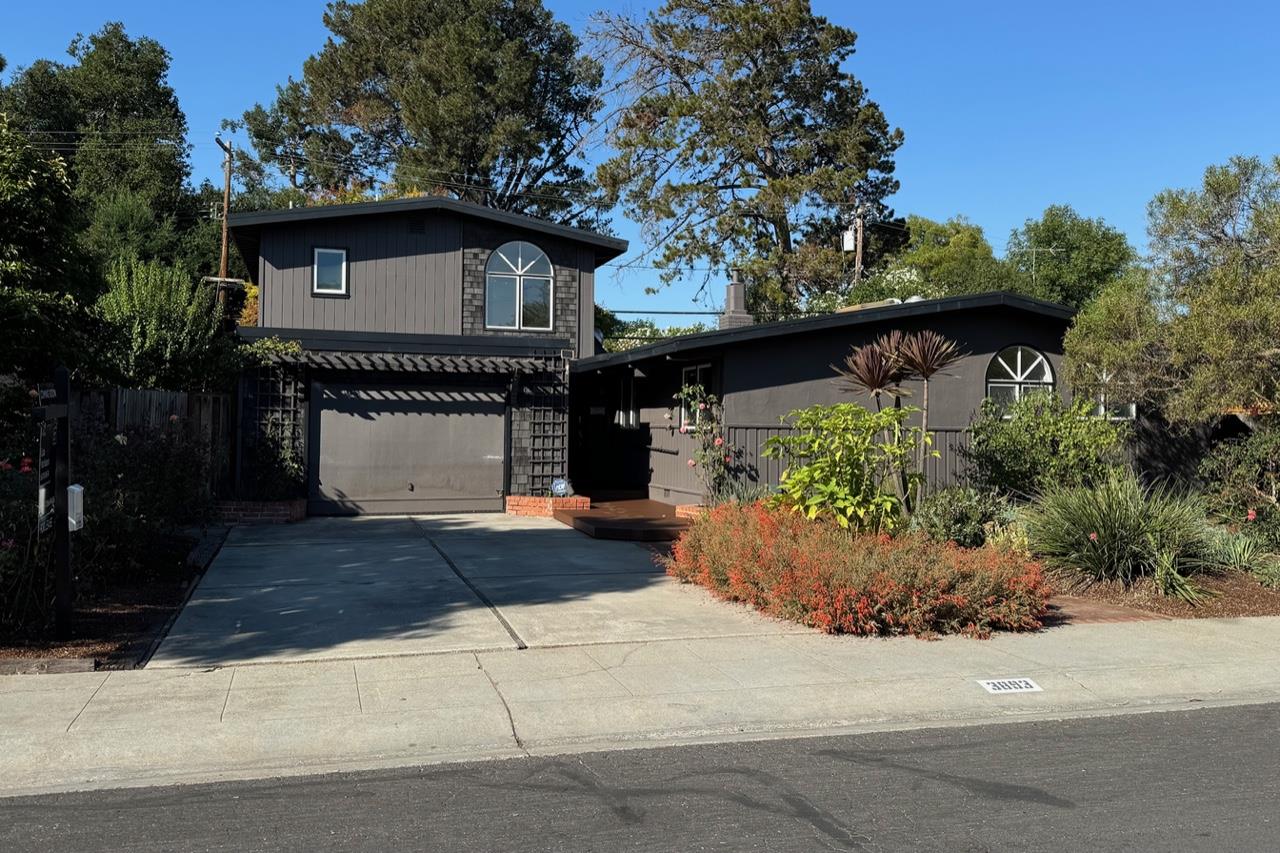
1130	410
1018	376
520	276
316	290
628	410
698	371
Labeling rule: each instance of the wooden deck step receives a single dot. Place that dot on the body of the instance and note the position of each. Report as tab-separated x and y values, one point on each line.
630	519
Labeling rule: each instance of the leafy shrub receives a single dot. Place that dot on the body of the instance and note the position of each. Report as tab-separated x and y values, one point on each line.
816	574
1119	530
847	464
1040	440
959	514
1242	480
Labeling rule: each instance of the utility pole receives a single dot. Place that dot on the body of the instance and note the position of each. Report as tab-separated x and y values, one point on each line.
857	244
226	209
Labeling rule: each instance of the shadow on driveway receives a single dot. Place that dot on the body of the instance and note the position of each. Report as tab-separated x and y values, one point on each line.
366	587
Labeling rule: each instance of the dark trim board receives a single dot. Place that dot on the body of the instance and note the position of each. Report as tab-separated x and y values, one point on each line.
246	227
921	308
398	342
317	506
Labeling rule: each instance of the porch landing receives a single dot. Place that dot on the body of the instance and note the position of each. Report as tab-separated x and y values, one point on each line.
634	519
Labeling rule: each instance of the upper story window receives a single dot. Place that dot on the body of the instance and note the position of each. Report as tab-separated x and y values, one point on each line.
1015	372
518	288
329	272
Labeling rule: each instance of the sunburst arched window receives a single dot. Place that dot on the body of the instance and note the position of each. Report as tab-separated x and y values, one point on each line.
1017	371
518	288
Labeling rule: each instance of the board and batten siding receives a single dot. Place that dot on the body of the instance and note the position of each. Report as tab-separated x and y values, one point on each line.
397	280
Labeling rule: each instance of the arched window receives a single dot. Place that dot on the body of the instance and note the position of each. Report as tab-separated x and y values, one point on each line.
1016	372
517	290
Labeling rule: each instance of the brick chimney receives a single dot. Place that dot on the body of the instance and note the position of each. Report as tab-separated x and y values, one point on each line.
735	305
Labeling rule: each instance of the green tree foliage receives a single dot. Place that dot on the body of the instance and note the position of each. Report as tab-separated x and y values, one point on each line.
38	266
1116	349
1199	337
160	330
622	334
114	117
1067	258
940	259
483	100
744	141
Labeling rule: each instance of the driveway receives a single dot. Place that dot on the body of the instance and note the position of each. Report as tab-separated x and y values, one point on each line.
332	588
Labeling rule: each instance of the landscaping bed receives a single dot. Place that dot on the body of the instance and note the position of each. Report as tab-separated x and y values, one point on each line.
819	575
1230	594
115	626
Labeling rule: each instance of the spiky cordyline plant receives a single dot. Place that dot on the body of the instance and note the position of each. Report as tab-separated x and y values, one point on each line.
926	354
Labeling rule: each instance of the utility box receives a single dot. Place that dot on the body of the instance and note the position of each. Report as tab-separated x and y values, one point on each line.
75	507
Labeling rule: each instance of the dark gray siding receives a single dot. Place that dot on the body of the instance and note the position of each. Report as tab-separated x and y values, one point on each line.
398	280
760	381
763	380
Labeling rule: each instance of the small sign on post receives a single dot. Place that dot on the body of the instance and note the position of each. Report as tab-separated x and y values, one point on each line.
44	482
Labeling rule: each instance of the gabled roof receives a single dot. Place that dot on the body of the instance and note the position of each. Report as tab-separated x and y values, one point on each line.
806	325
246	226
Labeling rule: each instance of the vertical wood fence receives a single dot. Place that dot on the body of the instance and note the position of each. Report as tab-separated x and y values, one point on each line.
204	417
669	452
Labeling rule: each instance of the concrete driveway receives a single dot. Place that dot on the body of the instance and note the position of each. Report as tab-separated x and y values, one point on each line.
333	588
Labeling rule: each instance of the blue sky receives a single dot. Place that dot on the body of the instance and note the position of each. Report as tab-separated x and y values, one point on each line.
1006	107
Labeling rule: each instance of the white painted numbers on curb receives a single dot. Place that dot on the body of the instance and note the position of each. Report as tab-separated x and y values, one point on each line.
1010	685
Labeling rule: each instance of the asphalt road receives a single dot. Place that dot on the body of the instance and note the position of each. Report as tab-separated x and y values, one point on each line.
1197	780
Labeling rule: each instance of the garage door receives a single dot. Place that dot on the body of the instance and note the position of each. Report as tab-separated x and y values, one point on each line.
389	449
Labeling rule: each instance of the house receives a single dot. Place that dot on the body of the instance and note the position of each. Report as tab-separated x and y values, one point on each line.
436	338
447	362
626	422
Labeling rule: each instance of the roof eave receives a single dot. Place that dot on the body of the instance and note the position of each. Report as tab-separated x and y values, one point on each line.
722	337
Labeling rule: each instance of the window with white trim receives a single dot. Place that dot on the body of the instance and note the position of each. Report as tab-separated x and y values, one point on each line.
1015	372
694	374
329	272
628	415
518	288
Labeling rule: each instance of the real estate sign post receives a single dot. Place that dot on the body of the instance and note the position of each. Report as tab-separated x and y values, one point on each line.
52	411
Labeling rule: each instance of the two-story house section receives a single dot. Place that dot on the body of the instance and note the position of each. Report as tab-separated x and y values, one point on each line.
435	337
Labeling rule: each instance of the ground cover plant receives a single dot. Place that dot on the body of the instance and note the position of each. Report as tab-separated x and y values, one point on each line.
816	573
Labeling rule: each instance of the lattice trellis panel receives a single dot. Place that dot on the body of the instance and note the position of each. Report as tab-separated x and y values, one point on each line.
274	421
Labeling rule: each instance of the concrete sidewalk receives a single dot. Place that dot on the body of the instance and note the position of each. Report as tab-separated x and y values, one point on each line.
88	730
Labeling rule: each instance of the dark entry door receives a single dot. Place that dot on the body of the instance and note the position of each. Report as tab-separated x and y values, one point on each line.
398	449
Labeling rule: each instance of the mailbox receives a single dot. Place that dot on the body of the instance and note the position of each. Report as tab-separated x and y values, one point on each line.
75	507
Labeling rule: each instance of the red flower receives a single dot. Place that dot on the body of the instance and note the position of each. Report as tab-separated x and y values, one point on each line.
1251	515
691	463
719	441
1093	537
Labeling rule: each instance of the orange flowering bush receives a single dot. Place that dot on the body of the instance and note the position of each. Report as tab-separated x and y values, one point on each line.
816	574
